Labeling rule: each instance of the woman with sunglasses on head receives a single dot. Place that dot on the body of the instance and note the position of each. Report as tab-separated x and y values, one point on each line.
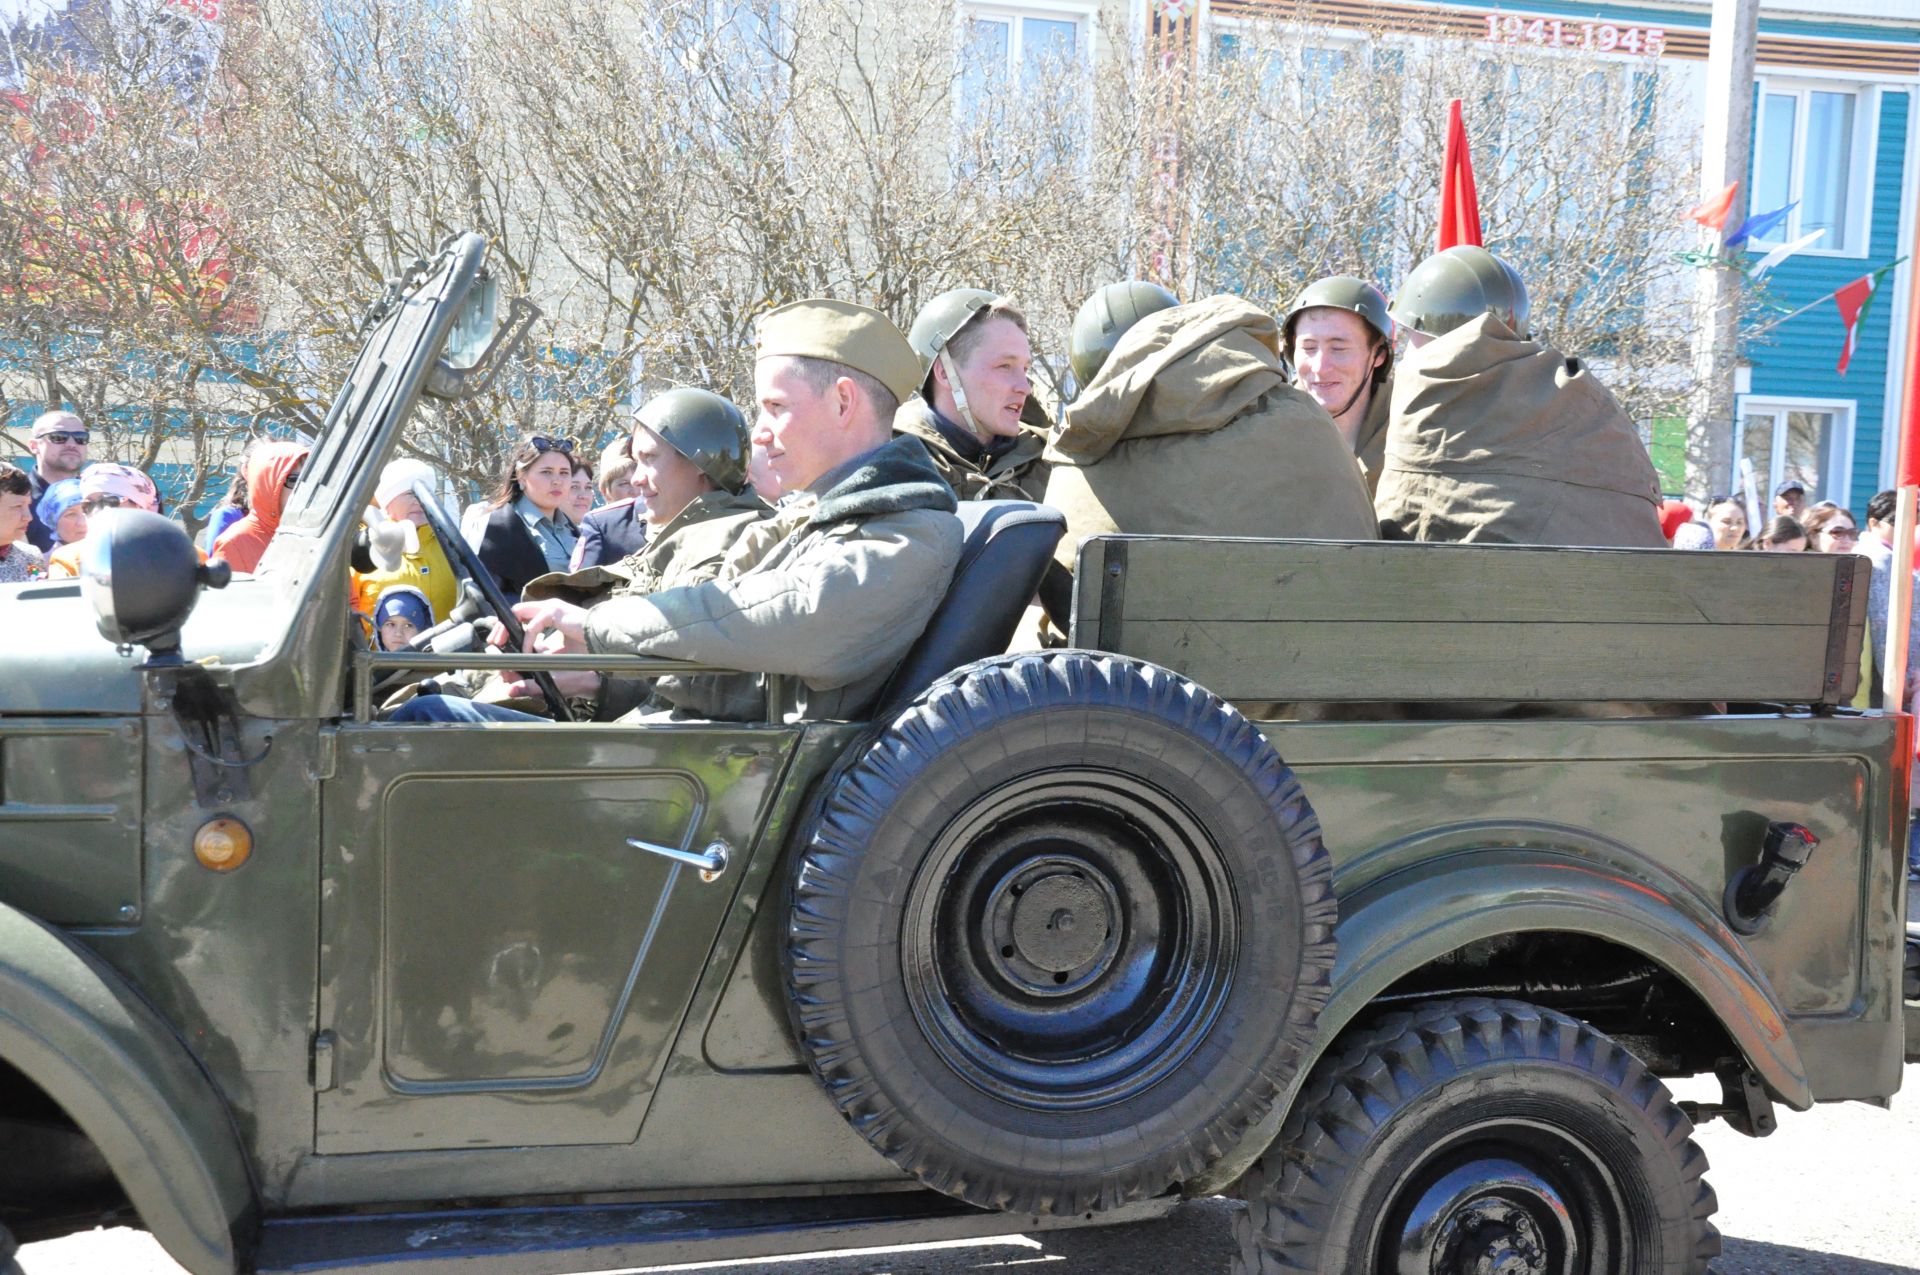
271	468
528	533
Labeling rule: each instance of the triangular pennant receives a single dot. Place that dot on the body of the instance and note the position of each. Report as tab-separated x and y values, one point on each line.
1712	212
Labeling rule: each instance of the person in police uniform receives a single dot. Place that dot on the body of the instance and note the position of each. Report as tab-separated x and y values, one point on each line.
1339	339
1495	438
975	411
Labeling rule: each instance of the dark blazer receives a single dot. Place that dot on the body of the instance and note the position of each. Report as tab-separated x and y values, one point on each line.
609	534
507	549
39	534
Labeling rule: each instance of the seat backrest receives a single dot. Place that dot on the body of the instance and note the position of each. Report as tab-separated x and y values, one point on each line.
1007	548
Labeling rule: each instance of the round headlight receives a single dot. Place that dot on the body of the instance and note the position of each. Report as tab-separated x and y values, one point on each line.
141	574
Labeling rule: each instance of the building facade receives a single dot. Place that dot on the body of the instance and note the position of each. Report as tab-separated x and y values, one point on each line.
1834	136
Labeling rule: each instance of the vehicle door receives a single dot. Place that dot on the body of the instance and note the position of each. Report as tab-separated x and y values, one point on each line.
499	965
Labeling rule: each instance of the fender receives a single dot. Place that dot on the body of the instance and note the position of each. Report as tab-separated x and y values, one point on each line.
1407	918
75	1028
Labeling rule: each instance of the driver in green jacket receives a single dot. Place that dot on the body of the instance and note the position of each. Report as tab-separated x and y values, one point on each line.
831	591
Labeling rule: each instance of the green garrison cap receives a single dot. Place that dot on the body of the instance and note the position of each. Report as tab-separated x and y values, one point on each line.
858	336
1457	286
703	427
1104	318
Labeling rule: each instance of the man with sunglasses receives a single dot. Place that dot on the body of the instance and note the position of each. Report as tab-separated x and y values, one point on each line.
59	447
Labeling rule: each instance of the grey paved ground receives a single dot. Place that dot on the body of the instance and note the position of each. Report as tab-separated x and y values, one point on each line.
1835	1192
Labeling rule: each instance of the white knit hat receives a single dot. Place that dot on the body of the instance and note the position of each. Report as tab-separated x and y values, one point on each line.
399	477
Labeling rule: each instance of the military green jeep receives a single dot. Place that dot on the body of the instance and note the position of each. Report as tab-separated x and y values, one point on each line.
1048	939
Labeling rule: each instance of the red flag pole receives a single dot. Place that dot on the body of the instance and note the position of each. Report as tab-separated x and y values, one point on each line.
1907	482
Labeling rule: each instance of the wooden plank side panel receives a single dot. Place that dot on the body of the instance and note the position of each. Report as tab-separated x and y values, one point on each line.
1372	660
1343	621
1171	579
1853	645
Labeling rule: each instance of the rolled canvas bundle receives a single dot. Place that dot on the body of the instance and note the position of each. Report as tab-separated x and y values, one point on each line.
1498	439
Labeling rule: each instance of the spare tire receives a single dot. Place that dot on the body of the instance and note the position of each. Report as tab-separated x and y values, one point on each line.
1059	932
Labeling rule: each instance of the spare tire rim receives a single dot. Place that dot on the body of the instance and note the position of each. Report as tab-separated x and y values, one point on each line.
1069	939
1503	1198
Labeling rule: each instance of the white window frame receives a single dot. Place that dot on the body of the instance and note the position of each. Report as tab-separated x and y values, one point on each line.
1837	464
1083	13
1859	162
1352	44
1080	12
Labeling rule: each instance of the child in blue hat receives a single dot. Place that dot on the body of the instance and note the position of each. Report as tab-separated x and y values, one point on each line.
400	614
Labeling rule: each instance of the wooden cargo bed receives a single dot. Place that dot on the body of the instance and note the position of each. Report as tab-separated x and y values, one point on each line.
1337	621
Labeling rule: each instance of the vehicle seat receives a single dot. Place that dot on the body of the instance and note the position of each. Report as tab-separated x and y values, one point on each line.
1007	548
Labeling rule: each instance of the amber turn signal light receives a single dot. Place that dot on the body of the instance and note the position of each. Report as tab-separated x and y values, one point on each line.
222	844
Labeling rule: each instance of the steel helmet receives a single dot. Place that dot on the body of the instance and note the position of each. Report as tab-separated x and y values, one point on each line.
1339	292
1458	286
942	317
1104	317
703	427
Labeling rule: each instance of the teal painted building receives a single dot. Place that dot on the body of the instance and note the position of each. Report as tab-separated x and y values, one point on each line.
1844	148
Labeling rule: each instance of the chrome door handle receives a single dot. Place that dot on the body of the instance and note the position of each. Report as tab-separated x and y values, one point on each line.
710	862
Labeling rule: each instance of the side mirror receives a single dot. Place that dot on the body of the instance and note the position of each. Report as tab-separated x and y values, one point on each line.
142	576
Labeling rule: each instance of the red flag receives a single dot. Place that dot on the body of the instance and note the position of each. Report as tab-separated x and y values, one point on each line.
1459	204
1713	212
1854	300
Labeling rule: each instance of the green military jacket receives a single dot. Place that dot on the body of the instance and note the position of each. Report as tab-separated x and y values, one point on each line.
825	595
688	550
1020	473
1370	448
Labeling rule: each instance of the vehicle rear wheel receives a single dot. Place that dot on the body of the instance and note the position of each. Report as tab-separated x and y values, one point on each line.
1473	1136
1058	932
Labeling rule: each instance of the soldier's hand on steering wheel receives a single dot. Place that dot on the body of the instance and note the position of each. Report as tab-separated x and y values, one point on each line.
552	627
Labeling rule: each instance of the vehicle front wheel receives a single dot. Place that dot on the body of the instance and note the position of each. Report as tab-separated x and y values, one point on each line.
1480	1135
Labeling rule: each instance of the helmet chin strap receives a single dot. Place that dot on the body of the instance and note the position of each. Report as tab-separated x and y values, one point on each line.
960	398
1365	383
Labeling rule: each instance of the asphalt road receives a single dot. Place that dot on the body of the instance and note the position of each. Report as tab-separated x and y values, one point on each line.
1835	1192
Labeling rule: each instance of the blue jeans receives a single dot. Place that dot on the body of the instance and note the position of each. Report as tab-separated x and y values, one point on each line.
451	708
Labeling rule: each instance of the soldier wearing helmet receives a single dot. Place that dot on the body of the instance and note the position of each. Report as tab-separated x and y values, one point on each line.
1339	338
689	450
1496	438
975	404
1185	424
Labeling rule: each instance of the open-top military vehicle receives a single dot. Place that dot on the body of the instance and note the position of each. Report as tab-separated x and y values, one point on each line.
1048	939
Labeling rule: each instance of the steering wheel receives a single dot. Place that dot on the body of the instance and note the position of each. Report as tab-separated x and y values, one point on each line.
469	565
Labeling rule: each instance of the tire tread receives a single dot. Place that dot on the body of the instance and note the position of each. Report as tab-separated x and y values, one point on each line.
859	792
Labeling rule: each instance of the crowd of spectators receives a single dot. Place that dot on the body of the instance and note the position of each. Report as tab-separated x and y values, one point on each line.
550	511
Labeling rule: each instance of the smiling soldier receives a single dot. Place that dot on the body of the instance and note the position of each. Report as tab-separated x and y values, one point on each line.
975	396
1340	341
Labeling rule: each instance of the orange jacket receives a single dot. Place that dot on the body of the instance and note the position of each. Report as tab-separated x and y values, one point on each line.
242	544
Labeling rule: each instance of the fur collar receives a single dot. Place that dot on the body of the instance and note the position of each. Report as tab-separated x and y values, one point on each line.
894	477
